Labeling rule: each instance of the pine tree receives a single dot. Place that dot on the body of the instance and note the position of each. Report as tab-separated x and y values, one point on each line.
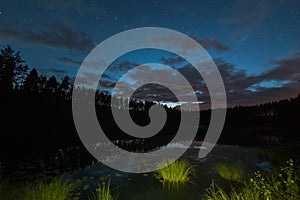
31	82
10	63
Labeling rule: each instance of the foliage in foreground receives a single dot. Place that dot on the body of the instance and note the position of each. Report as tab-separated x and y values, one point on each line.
56	189
230	172
175	172
283	185
3	188
216	193
103	192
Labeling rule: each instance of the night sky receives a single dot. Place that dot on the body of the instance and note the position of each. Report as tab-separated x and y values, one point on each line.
255	44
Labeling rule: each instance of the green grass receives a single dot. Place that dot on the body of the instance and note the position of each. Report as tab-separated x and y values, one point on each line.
176	172
103	192
230	172
216	193
281	185
55	189
3	189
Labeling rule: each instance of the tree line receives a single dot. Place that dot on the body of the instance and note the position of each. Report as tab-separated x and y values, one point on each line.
36	113
20	82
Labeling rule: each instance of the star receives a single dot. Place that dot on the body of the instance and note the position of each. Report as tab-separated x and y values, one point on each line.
22	19
0	13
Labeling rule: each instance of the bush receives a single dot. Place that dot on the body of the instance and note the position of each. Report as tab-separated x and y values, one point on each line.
282	185
103	192
55	189
216	193
175	172
231	172
3	189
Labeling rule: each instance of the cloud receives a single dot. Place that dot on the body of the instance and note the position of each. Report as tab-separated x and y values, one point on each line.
212	43
207	43
154	92
235	79
279	82
247	14
50	34
68	61
286	69
186	45
171	61
53	71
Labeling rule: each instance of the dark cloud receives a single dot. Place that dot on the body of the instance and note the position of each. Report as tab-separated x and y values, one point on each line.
245	89
123	66
171	61
117	69
284	73
207	43
186	44
263	95
247	14
56	35
235	79
53	71
154	92
107	84
286	69
212	43
68	61
87	77
241	87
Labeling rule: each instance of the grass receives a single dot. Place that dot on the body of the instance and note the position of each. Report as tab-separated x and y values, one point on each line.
216	193
179	171
281	185
103	192
3	189
230	172
55	189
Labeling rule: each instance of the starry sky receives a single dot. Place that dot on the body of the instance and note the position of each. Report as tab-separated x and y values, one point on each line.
255	44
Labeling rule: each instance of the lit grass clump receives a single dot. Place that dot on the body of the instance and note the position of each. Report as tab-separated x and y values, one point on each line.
230	172
55	189
175	172
103	192
216	193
